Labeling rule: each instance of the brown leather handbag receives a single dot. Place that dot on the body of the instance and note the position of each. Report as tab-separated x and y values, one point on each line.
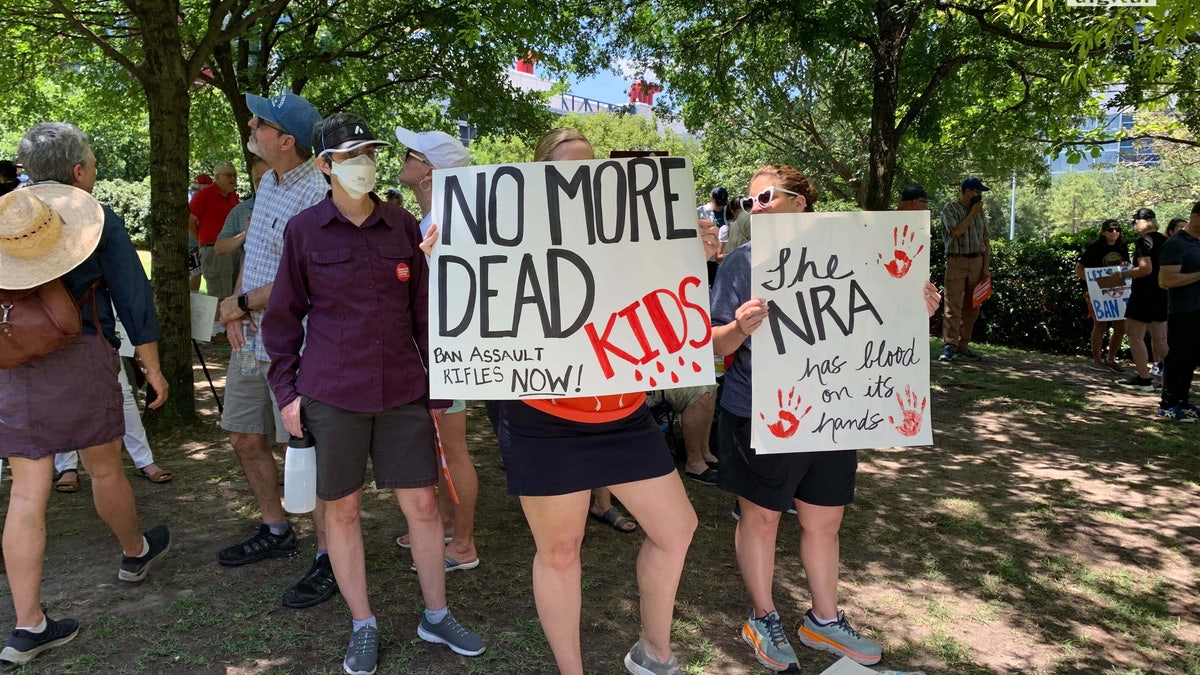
36	321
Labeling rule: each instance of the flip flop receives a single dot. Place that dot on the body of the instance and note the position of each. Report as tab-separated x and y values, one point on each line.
163	476
403	542
615	519
452	565
66	486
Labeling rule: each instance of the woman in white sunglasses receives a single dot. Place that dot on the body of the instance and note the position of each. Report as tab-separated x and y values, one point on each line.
817	485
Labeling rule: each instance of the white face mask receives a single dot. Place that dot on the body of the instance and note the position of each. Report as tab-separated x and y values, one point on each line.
356	175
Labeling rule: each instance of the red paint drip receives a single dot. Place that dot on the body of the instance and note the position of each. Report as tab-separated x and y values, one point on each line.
695	367
637	375
674	377
653	384
660	366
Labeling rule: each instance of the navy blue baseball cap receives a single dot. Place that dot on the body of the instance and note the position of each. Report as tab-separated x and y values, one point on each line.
974	184
294	114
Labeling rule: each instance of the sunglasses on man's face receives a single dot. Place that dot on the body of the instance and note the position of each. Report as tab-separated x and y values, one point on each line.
767	196
260	122
1112	229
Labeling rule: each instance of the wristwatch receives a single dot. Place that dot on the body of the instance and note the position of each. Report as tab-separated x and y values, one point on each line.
244	303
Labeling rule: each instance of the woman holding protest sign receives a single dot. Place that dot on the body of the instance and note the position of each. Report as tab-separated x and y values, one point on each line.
426	151
1106	251
818	485
557	451
1147	307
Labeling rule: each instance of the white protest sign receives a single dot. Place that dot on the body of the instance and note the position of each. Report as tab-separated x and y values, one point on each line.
567	279
1108	304
204	313
842	360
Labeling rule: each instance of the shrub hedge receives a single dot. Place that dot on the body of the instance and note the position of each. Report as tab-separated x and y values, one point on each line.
1037	301
131	201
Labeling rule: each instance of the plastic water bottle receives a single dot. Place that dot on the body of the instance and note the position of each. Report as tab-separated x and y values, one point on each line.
244	359
300	474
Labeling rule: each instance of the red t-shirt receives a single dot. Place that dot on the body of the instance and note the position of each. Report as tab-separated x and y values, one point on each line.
211	209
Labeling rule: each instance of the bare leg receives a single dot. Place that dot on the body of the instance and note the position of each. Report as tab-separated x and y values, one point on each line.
1098	331
420	507
754	539
1158	340
453	429
819	551
1114	345
112	495
1137	345
25	535
557	524
662	508
258	463
345	546
696	421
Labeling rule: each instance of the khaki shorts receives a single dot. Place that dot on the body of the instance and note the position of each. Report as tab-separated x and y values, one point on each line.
250	406
218	272
399	441
680	399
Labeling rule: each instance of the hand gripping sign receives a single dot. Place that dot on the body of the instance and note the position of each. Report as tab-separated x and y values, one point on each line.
842	359
567	279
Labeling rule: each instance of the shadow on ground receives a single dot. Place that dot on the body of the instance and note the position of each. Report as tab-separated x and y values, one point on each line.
1052	528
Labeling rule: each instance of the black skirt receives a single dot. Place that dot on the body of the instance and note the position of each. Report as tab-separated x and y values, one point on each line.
546	455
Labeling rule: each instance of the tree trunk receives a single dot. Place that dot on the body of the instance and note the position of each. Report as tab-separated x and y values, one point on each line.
884	140
163	75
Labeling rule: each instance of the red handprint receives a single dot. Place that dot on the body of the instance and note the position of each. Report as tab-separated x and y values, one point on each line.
910	423
787	423
901	262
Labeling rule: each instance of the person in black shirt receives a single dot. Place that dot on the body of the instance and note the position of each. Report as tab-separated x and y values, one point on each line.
1107	250
1147	308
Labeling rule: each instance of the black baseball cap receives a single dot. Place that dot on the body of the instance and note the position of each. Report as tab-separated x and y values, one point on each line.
1144	214
913	191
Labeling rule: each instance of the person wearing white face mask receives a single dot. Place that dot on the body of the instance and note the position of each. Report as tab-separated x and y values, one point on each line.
352	267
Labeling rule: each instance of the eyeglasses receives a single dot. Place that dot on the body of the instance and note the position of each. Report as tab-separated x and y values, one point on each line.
768	195
368	150
260	122
417	156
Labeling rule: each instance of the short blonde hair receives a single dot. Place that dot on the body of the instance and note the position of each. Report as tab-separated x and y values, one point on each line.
555	138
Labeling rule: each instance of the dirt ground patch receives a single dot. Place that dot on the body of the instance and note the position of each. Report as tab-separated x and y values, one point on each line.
1053	527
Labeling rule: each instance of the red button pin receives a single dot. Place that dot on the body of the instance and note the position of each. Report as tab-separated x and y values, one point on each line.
402	271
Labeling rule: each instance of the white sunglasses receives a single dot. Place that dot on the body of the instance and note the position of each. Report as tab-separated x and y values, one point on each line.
767	196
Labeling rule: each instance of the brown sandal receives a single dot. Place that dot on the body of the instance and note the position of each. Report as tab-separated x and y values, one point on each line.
65	485
161	476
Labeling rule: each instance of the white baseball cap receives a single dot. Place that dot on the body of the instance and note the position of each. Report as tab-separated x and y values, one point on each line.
442	150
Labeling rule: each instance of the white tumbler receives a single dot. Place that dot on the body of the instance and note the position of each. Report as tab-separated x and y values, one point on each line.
300	474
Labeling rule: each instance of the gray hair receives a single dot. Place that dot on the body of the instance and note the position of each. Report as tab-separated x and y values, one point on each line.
223	165
52	150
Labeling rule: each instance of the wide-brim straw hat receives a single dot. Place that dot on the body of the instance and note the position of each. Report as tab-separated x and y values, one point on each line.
46	230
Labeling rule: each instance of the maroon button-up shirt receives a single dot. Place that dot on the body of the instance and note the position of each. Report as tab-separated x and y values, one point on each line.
364	291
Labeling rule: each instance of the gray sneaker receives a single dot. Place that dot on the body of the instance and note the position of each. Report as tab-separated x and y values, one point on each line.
363	652
771	646
452	634
839	637
638	662
947	354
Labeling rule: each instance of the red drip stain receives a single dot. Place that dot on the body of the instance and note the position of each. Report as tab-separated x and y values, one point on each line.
653	384
674	377
681	360
660	366
695	367
637	375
